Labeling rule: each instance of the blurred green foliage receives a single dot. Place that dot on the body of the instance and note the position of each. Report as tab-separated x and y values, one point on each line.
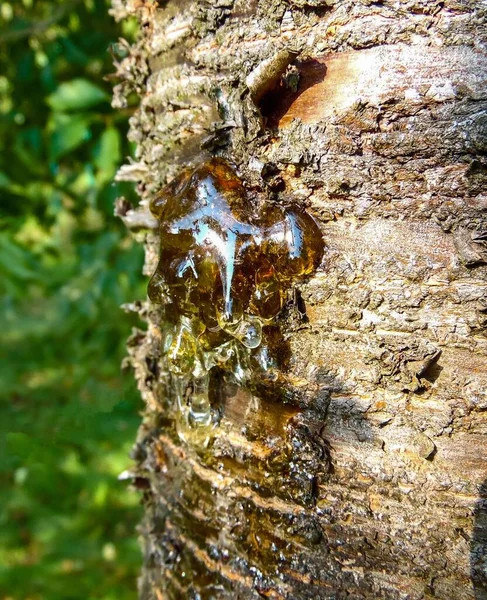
67	418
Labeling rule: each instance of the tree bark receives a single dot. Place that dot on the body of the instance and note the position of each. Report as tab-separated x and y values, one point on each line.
366	481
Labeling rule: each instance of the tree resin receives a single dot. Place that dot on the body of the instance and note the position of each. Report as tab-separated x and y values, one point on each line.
224	267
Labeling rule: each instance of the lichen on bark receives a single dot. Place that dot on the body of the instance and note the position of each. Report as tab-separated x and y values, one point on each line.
363	475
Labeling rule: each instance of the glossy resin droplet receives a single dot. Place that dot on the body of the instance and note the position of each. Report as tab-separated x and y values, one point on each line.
223	269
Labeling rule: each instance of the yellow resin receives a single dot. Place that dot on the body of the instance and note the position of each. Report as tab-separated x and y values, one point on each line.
223	270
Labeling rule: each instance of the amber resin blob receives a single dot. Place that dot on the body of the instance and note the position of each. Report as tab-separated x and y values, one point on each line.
224	268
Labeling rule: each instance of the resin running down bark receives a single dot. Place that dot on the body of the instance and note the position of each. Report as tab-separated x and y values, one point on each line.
355	469
225	265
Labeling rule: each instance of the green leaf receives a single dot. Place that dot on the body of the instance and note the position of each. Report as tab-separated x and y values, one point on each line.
19	444
84	183
108	153
4	181
15	263
67	133
76	94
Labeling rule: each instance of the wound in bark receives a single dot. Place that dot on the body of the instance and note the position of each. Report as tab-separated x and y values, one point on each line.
224	268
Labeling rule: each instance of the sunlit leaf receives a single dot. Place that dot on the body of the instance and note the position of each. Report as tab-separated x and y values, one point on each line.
75	95
108	153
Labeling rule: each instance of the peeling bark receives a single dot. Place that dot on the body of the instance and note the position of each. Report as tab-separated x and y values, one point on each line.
358	473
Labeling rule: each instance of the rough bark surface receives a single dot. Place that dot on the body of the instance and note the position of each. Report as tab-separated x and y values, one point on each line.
364	479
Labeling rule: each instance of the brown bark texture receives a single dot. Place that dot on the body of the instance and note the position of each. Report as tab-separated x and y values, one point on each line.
363	479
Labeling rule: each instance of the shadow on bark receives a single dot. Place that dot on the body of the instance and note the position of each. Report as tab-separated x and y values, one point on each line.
268	516
478	546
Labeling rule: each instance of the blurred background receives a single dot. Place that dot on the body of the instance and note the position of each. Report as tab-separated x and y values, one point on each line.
68	417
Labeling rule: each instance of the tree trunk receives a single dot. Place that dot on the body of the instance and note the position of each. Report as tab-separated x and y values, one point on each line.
358	472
